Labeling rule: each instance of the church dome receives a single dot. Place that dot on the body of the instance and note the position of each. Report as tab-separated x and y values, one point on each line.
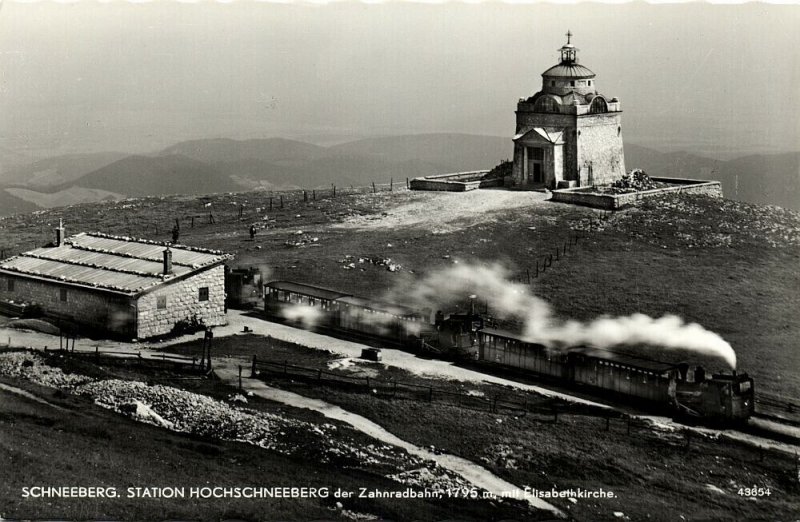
571	71
568	76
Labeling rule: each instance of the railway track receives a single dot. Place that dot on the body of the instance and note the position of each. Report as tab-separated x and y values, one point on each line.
777	409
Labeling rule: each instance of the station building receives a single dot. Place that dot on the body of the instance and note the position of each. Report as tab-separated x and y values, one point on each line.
118	286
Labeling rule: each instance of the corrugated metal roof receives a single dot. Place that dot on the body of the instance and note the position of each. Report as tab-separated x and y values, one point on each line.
311	291
119	264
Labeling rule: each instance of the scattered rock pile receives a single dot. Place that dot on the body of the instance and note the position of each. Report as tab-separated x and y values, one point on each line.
425	478
635	181
301	239
32	367
385	262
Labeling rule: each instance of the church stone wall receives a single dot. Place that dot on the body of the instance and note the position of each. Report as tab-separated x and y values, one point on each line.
600	147
183	303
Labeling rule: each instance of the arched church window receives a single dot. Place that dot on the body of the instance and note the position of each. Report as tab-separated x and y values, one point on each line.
598	106
546	104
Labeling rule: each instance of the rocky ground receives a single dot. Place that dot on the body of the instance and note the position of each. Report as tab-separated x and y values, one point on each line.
202	416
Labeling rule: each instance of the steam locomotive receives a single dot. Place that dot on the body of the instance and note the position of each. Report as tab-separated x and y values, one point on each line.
688	392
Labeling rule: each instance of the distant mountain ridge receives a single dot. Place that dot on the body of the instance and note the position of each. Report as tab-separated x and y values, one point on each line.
227	165
764	179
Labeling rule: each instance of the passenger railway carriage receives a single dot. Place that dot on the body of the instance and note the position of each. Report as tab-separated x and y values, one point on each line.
722	397
342	311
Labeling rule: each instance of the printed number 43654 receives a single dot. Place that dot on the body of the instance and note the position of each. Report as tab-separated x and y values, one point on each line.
754	492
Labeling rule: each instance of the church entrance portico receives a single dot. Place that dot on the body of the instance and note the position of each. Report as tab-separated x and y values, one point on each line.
540	158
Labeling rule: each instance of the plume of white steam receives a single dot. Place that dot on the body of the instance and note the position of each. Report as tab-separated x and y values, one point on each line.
442	288
308	316
509	300
382	323
669	331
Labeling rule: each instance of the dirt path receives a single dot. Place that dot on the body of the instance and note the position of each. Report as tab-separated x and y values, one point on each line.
27	395
447	211
475	474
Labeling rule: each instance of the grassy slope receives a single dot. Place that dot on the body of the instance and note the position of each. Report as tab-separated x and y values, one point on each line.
84	445
731	267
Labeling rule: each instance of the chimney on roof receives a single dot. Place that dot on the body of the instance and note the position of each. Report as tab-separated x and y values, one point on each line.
167	261
60	233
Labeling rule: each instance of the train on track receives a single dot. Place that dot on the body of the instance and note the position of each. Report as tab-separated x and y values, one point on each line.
687	392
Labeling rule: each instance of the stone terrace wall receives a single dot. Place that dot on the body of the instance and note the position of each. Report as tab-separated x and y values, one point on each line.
99	311
584	196
183	303
455	182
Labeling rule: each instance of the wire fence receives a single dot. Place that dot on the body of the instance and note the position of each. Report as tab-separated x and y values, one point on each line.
107	356
558	251
505	403
219	213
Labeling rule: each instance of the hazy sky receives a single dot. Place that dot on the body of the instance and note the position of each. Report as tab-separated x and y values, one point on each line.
137	77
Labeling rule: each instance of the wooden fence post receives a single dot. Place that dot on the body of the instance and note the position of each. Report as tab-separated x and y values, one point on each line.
270	204
314	194
240	377
430	393
391	184
305	197
281	201
253	370
334	191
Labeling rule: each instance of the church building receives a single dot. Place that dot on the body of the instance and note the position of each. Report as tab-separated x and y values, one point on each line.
567	134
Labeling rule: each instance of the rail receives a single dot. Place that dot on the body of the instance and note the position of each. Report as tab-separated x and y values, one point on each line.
394	389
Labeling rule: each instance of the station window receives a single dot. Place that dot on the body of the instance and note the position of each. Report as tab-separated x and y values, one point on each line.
572	83
204	293
590	83
161	302
552	84
63	294
10	285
